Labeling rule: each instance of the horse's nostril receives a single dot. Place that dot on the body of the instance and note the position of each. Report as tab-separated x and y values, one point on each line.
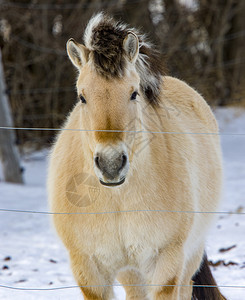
97	162
124	161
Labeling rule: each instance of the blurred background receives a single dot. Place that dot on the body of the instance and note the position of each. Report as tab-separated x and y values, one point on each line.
202	42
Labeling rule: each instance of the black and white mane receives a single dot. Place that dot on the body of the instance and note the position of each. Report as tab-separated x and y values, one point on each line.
104	38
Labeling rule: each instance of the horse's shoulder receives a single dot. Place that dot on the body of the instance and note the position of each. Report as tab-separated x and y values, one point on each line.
68	138
188	101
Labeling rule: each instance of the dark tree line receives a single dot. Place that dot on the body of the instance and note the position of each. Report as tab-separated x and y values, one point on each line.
202	44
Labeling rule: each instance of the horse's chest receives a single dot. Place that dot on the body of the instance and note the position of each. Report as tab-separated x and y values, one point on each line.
141	239
129	240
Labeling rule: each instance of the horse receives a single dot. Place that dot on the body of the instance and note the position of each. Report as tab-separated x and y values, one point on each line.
134	172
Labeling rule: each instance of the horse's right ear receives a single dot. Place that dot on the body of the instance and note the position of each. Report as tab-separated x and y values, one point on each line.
77	53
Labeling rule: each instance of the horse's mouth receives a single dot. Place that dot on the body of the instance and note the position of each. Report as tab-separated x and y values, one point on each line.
112	183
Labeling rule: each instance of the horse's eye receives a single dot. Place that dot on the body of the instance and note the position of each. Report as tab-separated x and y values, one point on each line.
83	100
134	96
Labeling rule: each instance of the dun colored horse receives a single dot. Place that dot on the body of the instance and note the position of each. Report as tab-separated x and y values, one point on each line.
130	168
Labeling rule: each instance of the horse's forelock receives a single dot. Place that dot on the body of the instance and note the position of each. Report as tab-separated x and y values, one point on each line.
104	38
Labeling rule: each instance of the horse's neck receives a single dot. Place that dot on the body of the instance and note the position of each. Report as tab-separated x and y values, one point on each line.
151	144
145	127
78	140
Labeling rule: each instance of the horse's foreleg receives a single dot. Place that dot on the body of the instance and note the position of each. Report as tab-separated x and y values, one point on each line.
133	284
93	283
191	266
167	276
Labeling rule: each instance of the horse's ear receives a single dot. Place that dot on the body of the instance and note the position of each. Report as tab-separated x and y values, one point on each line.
77	53
131	46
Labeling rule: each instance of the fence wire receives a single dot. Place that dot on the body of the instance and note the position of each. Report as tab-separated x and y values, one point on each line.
53	6
117	212
121	211
127	131
120	285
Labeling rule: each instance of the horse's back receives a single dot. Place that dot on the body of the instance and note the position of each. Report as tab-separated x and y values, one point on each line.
191	108
193	133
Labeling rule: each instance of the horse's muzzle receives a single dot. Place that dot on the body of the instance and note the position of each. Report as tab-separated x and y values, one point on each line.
111	165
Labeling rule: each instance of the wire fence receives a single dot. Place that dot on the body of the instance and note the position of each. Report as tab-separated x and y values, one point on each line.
119	212
125	211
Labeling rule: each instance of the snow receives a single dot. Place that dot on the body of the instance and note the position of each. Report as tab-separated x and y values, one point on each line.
31	256
229	230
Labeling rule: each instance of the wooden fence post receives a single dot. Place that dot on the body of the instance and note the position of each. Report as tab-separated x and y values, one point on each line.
9	154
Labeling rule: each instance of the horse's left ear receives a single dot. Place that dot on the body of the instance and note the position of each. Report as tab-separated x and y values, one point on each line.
131	46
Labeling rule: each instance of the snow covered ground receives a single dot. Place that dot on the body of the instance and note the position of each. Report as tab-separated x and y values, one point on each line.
31	256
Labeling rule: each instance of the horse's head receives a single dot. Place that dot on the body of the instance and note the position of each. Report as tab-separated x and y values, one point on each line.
108	88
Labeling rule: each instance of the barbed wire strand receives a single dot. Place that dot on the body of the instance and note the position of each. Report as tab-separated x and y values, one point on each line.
120	285
120	211
115	131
